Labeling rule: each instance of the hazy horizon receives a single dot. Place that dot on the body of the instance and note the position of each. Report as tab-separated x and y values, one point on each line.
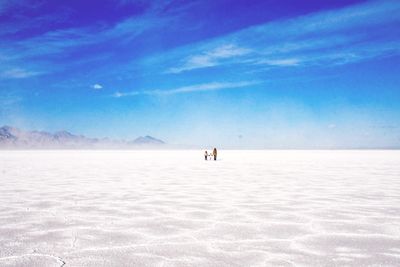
230	74
126	146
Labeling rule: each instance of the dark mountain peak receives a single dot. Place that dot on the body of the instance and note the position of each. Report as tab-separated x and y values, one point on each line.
148	140
7	128
64	134
6	132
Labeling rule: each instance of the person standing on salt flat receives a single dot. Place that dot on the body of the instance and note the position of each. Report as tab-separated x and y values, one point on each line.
206	155
215	153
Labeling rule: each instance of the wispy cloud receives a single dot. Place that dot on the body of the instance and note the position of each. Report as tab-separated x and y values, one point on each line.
67	40
119	94
213	86
46	48
203	87
333	37
281	62
18	73
210	58
8	99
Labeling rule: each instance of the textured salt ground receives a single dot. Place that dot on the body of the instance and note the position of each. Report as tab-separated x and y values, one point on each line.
172	208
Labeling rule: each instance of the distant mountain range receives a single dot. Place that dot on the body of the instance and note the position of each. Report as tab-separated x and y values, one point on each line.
11	137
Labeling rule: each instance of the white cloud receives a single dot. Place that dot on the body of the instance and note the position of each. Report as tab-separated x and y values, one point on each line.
124	94
40	49
97	86
227	51
210	58
18	73
281	62
204	87
334	37
213	86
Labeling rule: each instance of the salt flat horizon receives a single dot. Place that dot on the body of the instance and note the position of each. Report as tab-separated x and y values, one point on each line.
173	208
201	149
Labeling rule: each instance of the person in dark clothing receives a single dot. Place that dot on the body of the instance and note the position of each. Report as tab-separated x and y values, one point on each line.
206	155
215	153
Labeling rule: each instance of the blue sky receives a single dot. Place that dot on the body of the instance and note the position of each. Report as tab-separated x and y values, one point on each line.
233	74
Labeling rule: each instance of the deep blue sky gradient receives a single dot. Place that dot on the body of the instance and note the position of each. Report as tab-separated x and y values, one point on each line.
245	74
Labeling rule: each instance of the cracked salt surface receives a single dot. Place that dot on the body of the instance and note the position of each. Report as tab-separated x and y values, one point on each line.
172	208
